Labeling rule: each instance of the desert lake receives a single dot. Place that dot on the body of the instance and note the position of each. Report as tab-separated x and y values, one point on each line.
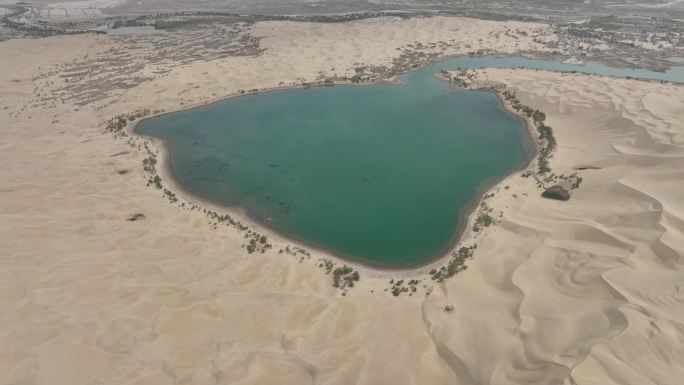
383	174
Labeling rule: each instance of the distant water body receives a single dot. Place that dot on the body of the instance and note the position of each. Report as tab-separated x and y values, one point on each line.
673	74
383	174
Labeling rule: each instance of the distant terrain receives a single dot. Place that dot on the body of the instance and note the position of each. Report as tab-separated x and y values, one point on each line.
545	8
632	34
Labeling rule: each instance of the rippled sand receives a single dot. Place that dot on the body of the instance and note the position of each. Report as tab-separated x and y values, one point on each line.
587	291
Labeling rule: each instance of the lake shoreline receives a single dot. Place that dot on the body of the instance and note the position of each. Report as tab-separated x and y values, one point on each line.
462	232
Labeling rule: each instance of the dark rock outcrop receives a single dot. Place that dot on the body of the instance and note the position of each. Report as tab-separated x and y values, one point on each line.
586	167
556	192
136	217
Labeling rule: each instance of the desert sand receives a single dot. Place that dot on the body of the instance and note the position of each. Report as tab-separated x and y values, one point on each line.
587	291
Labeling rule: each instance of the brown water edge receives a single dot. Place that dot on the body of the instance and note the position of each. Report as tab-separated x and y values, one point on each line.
370	268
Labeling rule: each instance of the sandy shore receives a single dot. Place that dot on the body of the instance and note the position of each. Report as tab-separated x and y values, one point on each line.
586	291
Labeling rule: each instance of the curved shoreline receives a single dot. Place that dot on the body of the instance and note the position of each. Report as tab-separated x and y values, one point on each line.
435	260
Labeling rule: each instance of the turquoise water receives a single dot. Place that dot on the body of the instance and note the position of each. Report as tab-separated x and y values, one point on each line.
674	74
382	174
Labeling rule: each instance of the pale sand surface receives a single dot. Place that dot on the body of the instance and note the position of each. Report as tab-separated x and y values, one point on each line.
587	291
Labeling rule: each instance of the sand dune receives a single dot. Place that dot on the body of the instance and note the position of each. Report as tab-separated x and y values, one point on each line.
587	291
598	280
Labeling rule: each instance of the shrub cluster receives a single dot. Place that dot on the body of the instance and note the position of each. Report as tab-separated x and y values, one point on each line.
455	265
345	276
545	132
482	220
398	287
